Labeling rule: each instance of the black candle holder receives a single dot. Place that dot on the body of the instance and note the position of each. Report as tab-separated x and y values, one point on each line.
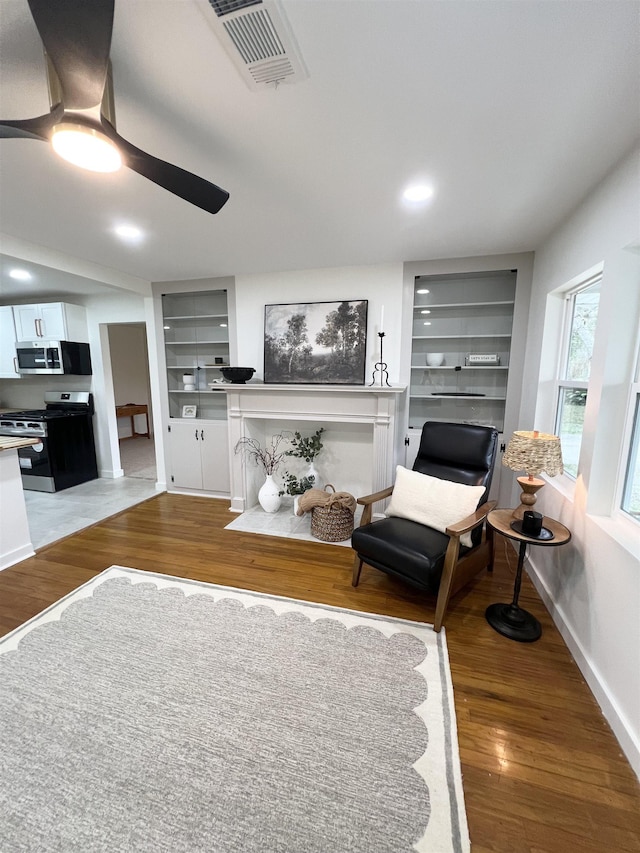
381	367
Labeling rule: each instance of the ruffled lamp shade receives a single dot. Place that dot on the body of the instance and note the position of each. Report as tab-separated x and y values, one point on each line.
536	453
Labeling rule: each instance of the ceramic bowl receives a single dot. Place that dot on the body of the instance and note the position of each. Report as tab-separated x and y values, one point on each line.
435	359
237	375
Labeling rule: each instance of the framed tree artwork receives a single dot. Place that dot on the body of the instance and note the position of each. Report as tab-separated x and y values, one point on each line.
320	343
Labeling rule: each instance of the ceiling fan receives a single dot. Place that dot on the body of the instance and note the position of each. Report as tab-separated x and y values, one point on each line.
77	39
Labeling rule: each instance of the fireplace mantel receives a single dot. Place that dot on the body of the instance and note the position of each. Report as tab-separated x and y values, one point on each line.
370	405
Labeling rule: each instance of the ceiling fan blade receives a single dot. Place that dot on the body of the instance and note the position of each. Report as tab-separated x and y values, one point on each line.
32	128
188	186
77	37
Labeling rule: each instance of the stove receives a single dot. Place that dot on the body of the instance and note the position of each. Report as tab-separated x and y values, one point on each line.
66	454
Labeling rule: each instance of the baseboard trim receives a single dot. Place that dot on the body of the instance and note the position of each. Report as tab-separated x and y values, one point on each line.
16	556
628	741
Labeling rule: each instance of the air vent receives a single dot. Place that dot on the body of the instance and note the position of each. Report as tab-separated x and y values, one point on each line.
224	7
257	37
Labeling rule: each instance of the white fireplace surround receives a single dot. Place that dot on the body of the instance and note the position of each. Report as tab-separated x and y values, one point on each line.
360	424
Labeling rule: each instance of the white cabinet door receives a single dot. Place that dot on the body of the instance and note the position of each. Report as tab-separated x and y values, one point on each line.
186	462
200	456
8	362
26	319
214	448
53	322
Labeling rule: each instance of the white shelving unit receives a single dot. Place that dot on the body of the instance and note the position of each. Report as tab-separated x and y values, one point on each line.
196	341
457	316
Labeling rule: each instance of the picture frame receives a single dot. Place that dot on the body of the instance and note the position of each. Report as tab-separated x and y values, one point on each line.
319	343
189	411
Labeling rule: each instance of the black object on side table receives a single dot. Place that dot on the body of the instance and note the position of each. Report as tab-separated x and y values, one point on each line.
510	620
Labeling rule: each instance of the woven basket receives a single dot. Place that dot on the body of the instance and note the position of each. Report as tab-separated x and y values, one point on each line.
332	523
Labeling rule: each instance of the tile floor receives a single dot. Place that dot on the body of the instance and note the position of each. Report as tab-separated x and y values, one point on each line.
53	516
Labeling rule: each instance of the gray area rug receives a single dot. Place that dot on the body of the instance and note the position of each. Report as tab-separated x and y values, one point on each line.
148	713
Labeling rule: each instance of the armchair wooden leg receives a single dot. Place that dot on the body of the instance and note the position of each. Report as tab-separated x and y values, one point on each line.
444	592
357	568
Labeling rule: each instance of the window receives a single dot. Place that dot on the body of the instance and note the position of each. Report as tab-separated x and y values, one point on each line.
581	315
630	503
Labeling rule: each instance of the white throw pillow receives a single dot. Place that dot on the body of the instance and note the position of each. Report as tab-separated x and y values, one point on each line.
431	501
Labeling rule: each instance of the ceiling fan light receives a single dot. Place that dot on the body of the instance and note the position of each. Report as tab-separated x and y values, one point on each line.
85	147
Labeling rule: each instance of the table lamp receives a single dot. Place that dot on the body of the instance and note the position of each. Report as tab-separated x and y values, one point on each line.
536	453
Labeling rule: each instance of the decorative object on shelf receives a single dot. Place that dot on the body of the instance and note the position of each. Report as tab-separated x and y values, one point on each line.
268	458
269	495
536	453
380	367
435	359
322	343
237	375
188	382
481	359
189	411
331	513
306	447
296	486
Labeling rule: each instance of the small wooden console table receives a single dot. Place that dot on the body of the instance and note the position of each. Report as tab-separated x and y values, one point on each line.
130	410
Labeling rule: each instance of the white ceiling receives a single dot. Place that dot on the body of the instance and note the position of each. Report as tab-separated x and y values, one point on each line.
513	110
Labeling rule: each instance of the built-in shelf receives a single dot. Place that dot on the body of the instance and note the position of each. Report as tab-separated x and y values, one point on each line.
196	333
461	315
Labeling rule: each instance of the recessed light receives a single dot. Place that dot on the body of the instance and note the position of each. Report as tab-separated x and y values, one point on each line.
426	311
427	322
130	233
422	290
20	275
417	193
223	325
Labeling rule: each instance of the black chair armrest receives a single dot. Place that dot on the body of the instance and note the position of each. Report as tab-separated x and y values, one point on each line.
471	521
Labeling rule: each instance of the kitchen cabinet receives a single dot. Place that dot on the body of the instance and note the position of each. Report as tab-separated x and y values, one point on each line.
199	454
196	345
8	363
51	321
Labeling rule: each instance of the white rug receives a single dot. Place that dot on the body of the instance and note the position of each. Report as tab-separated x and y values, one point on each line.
149	713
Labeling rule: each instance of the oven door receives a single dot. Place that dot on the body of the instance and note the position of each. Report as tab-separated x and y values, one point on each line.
39	357
35	466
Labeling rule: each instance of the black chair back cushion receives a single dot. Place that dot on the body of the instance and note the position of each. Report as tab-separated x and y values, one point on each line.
462	453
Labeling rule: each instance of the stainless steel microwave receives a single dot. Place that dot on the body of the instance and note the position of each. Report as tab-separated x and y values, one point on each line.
57	357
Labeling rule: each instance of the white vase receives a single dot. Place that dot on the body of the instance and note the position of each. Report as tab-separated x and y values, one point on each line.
269	495
312	472
296	499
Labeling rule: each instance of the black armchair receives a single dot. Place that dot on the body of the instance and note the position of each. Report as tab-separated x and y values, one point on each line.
436	562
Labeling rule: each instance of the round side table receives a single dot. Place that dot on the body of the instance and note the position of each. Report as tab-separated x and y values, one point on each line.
510	620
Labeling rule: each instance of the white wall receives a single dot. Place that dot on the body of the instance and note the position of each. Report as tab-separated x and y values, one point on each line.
381	285
592	585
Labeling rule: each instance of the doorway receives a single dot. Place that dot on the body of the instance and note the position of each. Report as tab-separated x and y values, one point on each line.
132	394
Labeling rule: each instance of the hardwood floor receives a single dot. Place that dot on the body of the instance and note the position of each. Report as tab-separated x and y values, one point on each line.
542	770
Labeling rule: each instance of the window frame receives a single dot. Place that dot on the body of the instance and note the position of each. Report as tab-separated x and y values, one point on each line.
562	383
630	445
